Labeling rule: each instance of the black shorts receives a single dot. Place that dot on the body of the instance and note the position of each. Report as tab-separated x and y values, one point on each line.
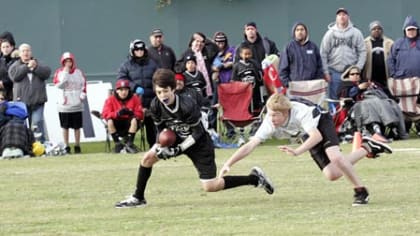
329	138
203	157
71	120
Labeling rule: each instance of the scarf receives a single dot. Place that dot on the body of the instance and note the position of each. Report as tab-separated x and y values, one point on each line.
201	66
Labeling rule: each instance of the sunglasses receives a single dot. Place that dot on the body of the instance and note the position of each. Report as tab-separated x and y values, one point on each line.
158	36
354	73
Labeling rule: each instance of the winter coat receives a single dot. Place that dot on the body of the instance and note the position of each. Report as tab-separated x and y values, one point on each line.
404	60
139	75
113	104
387	44
32	92
300	62
163	56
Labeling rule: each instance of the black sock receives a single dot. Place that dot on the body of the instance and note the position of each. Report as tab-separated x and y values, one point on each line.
142	178
115	137
130	137
235	181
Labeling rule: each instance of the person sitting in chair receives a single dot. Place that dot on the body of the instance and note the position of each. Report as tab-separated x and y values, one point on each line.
123	112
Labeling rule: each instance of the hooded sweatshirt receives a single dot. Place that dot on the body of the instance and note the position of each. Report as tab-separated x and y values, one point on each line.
341	48
300	61
72	85
404	60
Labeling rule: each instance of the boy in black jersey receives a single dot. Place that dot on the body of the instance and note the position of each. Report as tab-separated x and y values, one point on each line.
182	115
248	70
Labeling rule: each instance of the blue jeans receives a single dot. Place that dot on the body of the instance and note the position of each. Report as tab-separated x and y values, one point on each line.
36	119
334	88
334	85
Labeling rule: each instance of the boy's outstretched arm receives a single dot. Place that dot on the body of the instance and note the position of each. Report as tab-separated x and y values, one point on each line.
241	153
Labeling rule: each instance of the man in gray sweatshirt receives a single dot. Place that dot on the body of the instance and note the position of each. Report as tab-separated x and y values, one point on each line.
342	46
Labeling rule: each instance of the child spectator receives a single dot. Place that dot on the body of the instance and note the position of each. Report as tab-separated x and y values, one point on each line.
248	70
123	112
72	83
193	77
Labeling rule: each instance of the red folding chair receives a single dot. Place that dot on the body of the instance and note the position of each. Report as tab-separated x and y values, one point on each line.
235	99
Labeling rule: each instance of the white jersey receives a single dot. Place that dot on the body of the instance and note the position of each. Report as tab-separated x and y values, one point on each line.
302	119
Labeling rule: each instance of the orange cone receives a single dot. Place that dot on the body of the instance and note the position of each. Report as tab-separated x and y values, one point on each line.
357	140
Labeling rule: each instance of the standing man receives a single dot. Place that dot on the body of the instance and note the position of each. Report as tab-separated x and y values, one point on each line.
260	46
163	55
378	48
341	47
301	59
29	76
404	63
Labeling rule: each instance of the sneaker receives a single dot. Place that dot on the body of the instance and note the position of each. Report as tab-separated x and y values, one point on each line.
380	138
374	147
77	150
263	180
131	202
131	148
118	147
361	196
67	149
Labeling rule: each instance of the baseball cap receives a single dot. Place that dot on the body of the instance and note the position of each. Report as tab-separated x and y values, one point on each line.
341	9
157	32
122	83
410	27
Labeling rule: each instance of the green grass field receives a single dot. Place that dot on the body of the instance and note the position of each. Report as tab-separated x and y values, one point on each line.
75	194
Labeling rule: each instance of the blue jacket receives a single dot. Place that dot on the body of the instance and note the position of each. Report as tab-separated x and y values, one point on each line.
300	62
404	60
140	75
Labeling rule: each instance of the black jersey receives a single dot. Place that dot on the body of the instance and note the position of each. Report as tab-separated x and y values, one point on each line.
183	117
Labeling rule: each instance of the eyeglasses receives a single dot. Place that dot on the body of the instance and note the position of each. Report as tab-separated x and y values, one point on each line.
354	73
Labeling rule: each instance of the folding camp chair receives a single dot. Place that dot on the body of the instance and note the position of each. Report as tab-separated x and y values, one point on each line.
235	99
312	90
408	92
98	115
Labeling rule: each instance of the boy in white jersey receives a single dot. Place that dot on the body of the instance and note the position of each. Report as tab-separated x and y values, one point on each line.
287	118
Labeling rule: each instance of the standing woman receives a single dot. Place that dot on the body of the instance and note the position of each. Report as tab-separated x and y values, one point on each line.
139	70
72	83
8	55
204	51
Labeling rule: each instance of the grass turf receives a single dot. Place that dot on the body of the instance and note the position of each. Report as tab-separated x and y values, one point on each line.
75	194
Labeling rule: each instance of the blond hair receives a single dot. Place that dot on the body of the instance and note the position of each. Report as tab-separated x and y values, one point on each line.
278	103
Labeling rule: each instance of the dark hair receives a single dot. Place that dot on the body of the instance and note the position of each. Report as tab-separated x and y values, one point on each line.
9	36
192	38
164	78
244	47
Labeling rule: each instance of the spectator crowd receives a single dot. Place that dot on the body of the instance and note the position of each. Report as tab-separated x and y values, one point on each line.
351	64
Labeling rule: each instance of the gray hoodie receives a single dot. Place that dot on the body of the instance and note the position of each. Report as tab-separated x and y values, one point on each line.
341	48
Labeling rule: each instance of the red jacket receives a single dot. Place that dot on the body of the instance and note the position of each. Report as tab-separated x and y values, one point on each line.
113	105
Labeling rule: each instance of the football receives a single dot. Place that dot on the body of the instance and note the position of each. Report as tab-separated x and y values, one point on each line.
167	138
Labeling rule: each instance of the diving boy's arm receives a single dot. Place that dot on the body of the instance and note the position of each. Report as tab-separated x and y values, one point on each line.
241	153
